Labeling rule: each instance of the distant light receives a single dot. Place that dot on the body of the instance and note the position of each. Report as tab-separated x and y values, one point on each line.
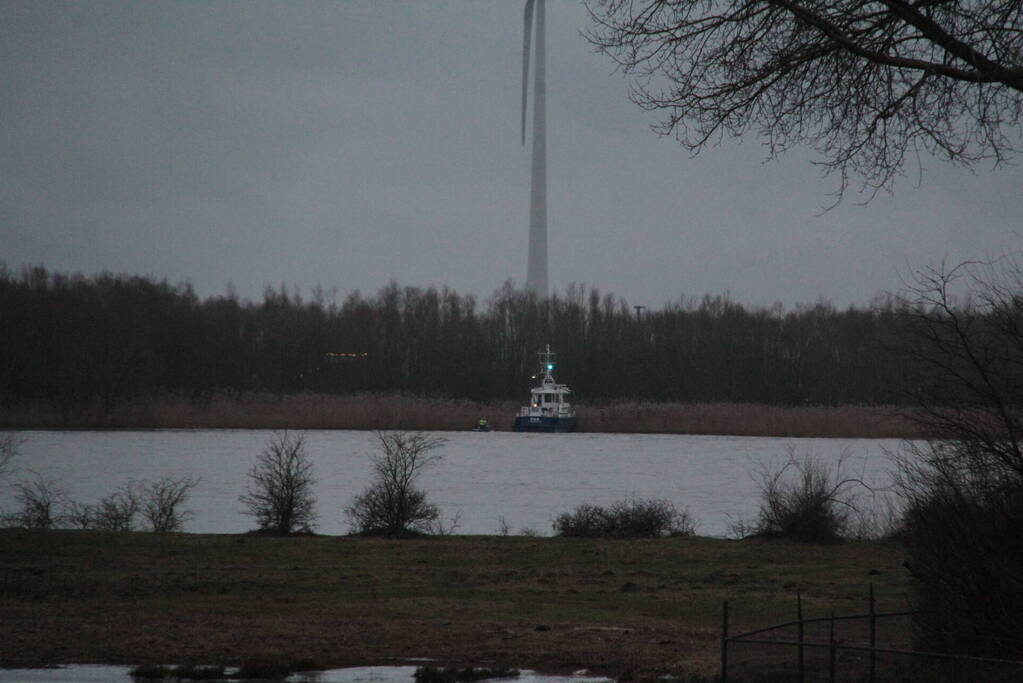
550	366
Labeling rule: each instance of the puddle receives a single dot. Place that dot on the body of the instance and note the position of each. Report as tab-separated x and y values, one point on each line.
99	673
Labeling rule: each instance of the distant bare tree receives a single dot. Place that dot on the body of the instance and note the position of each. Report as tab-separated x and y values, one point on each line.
79	516
41	502
869	85
116	512
281	481
392	505
161	503
10	443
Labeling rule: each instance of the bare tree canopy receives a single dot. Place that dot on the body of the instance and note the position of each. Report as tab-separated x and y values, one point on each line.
392	505
869	85
163	500
281	481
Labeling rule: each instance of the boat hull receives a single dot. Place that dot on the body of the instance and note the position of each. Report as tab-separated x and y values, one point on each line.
544	423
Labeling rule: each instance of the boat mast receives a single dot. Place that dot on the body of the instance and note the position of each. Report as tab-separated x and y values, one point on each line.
547	364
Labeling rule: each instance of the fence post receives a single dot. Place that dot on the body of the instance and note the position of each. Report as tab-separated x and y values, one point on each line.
724	642
799	619
873	637
831	650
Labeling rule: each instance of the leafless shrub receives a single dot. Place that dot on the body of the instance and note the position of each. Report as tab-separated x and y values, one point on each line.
630	518
446	528
392	505
882	520
741	527
161	502
503	528
80	516
117	512
281	481
806	500
40	503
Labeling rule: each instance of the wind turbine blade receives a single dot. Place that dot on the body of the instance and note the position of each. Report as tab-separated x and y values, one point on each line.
527	36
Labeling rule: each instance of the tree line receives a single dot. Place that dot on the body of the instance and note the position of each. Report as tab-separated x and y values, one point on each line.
106	339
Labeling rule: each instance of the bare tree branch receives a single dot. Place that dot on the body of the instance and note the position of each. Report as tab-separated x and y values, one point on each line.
281	481
392	505
871	86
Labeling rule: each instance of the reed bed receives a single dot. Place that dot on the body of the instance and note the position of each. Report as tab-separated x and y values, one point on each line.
749	419
267	411
373	411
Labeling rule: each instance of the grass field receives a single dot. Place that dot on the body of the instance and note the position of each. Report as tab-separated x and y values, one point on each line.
626	608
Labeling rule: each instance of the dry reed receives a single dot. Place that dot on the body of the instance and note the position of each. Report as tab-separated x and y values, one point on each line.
749	419
372	411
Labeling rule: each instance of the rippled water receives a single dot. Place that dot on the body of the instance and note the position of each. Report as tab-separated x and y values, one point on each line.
524	479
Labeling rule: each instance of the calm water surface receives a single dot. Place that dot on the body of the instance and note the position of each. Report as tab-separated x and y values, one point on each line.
524	479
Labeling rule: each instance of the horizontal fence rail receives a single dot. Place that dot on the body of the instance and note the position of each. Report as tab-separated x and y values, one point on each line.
864	667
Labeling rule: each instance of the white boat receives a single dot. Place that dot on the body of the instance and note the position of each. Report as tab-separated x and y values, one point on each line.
550	404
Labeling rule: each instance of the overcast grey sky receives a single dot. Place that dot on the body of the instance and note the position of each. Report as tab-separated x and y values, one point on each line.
348	143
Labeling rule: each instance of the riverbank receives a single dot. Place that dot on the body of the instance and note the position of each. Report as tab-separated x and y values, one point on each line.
624	608
316	411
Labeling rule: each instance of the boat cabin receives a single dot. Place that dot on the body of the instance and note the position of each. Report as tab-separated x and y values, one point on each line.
550	404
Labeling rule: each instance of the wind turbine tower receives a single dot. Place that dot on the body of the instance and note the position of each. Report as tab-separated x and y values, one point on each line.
536	271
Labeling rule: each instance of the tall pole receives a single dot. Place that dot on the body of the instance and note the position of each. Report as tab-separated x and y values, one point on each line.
536	267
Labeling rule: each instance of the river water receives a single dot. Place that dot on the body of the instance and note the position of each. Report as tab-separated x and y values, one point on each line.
488	479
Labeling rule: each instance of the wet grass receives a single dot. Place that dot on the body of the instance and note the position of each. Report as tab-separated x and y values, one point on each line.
647	606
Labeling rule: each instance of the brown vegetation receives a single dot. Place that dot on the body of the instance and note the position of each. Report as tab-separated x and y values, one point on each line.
369	411
643	607
749	419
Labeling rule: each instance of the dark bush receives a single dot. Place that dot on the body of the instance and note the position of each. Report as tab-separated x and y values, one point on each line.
964	490
183	672
272	668
281	481
806	500
629	518
41	503
429	674
162	502
392	505
150	671
966	551
116	512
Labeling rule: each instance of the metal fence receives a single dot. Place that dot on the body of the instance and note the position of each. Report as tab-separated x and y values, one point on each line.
873	646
